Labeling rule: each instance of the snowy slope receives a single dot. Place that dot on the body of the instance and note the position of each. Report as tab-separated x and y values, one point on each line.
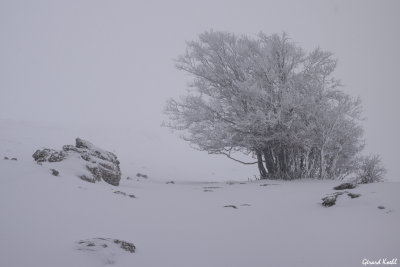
157	153
185	223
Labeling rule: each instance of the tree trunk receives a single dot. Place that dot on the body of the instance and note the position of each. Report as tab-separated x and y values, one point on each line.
322	170
282	163
269	162
263	172
333	173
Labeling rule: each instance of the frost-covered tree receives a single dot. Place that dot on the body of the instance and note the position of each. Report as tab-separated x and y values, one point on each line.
371	170
267	98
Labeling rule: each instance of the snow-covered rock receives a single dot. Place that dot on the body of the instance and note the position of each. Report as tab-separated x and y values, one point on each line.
106	249
345	186
100	164
49	155
96	244
330	200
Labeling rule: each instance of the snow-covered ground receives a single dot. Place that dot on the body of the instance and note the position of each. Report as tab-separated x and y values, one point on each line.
184	223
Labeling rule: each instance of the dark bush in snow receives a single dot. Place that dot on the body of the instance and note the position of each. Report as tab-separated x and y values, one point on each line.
55	172
371	170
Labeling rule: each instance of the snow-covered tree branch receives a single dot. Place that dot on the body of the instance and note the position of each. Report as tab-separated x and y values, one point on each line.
268	98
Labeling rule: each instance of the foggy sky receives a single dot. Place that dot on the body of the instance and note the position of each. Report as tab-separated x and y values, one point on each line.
111	62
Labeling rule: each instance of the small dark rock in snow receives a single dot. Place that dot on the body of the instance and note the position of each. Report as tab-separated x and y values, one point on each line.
124	194
14	159
55	172
381	207
267	184
6	158
170	182
353	195
230	206
141	175
345	186
87	179
100	244
330	200
126	245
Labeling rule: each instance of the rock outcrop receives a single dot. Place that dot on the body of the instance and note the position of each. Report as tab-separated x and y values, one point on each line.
49	155
100	164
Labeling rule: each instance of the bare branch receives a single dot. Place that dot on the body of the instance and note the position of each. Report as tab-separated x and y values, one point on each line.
226	154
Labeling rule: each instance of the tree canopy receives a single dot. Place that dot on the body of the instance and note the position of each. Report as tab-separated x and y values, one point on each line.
268	98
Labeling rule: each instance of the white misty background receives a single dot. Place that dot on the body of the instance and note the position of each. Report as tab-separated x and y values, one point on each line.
105	69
